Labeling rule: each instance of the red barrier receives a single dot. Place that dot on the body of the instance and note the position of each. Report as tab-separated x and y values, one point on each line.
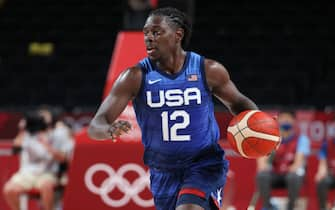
9	165
107	175
129	49
9	124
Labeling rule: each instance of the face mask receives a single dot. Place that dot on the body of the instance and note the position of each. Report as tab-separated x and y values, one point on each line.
286	126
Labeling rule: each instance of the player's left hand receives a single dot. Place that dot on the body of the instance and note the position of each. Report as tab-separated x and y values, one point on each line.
118	128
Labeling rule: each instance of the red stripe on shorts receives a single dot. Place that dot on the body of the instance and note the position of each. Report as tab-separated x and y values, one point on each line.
192	191
216	203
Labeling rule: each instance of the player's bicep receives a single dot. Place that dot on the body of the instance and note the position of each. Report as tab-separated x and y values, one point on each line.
219	81
227	93
224	89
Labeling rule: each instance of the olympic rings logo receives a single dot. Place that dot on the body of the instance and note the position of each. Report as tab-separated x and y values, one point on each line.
116	179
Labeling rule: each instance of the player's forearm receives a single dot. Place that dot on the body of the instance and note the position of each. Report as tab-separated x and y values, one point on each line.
244	103
99	129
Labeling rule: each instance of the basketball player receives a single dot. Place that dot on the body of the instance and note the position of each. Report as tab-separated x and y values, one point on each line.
172	93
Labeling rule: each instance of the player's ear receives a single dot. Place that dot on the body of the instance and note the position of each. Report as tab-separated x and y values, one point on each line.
179	34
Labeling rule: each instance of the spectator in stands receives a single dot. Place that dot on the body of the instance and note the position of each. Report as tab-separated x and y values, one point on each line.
44	147
285	167
17	142
325	176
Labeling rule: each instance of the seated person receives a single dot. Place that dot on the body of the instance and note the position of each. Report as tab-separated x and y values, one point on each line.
325	176
42	152
286	166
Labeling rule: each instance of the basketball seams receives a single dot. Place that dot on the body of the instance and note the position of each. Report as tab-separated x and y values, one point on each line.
251	133
245	118
267	122
260	122
234	131
243	122
255	132
253	146
248	135
240	130
240	141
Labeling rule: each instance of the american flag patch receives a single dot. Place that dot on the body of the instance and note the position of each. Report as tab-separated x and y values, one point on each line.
192	77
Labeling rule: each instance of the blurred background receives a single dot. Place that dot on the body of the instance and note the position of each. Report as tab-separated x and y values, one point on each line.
58	53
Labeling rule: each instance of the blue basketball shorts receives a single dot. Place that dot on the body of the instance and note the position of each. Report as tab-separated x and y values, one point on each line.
201	183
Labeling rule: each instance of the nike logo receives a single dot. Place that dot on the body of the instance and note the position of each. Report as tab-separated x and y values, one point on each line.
153	81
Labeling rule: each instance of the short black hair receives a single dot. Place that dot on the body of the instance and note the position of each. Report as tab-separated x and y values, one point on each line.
179	19
34	122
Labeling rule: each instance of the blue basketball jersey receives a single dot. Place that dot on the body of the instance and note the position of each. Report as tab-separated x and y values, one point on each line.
175	112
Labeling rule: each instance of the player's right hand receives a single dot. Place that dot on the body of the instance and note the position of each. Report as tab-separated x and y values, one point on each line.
118	128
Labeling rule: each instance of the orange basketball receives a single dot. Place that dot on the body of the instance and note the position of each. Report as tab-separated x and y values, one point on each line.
253	134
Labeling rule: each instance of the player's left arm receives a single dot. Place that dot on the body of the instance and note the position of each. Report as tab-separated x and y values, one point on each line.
219	82
104	124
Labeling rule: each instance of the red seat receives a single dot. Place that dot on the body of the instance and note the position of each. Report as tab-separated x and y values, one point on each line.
35	194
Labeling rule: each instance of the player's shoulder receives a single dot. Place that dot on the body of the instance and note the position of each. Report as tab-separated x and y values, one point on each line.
216	73
134	69
130	80
212	64
133	72
215	69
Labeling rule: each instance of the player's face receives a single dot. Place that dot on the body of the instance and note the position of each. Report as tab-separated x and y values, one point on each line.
159	37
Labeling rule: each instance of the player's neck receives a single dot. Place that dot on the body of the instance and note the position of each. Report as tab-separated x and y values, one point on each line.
172	63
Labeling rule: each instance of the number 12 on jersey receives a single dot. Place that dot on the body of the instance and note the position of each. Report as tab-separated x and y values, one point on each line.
170	133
